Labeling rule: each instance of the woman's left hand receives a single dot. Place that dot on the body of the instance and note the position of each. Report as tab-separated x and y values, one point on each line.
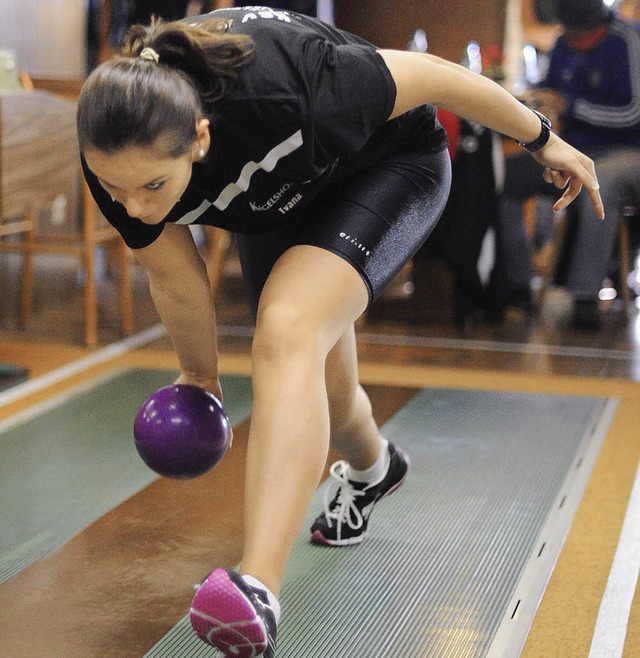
569	170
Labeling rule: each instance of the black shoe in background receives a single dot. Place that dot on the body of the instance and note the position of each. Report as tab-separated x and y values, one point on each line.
586	314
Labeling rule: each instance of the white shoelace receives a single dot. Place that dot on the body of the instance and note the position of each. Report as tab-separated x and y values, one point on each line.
346	511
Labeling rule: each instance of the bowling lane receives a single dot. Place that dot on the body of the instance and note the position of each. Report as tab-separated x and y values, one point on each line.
116	588
73	459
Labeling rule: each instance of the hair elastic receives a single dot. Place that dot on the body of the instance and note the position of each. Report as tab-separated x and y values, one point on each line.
150	54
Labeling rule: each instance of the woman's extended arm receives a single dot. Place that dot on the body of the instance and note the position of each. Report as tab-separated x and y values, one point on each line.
180	290
422	78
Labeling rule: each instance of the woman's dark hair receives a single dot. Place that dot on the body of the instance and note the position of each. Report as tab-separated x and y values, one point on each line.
132	101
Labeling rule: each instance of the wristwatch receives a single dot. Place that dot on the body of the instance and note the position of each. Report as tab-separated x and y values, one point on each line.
542	138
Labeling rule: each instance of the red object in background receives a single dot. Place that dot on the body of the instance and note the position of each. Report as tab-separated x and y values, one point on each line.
451	123
491	56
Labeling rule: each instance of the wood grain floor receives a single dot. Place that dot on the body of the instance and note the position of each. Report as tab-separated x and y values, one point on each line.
539	353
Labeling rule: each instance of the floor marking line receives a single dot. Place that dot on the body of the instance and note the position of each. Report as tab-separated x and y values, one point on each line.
79	365
613	618
512	633
247	331
493	346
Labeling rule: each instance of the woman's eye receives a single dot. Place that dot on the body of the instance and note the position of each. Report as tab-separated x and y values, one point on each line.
154	186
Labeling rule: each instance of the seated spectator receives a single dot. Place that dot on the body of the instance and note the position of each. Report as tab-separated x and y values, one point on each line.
470	212
592	90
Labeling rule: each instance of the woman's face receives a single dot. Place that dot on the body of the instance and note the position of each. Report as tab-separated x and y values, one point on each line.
147	184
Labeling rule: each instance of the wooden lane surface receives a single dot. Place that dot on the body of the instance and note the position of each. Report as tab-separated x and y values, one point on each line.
565	621
119	586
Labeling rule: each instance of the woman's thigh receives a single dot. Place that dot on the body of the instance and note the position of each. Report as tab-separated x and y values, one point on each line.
375	220
311	297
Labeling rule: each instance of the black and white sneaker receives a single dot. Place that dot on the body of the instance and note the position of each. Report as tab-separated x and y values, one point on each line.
234	617
345	518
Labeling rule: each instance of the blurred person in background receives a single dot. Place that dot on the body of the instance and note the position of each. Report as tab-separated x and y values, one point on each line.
591	92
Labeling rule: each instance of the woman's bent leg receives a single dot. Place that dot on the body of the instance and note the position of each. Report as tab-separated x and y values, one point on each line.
354	433
372	467
311	298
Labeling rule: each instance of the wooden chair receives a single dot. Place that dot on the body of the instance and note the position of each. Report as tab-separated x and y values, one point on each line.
95	233
38	147
624	242
20	227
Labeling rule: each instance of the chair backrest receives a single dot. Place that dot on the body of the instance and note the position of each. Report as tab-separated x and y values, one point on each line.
9	81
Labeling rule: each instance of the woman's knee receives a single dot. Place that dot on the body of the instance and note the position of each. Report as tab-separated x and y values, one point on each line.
282	329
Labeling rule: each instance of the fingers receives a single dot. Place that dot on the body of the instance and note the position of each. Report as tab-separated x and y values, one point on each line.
569	169
590	180
571	192
573	186
594	190
573	189
594	193
555	177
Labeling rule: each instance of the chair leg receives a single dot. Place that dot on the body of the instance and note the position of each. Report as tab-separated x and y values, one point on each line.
625	268
89	248
26	299
560	230
90	301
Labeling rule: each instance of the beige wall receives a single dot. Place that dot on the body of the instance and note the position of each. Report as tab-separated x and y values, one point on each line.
449	24
47	35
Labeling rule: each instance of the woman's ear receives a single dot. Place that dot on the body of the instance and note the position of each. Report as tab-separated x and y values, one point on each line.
202	131
203	139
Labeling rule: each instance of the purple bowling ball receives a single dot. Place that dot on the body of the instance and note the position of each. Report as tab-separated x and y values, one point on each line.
181	431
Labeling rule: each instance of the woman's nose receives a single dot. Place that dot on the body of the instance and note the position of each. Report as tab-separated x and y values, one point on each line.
133	206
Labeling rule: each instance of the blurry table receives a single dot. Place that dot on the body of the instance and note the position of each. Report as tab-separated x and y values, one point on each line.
38	152
40	171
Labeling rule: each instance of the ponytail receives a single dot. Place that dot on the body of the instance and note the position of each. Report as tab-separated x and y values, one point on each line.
167	77
205	52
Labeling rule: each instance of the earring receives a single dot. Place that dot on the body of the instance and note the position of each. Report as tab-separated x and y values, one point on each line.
201	153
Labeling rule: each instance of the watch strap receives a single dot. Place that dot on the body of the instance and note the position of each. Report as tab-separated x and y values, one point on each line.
542	138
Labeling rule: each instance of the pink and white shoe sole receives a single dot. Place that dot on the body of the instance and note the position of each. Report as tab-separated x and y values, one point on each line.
223	616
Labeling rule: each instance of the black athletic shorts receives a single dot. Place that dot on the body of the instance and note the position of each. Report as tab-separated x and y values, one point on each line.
375	219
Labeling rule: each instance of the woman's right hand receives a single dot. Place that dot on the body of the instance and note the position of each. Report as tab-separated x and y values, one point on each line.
211	384
208	384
